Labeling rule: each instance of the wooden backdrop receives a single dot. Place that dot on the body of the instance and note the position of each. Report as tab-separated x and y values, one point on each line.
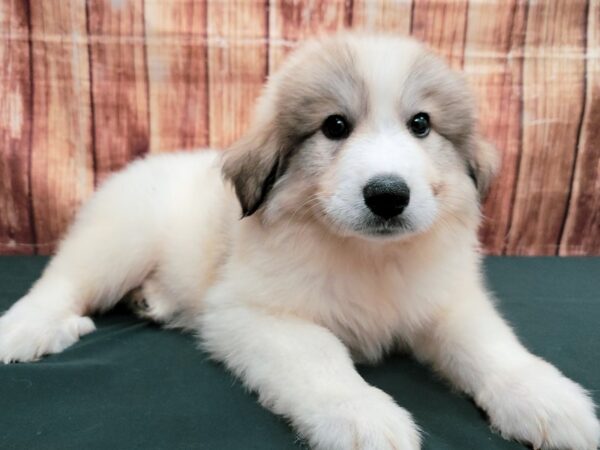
86	86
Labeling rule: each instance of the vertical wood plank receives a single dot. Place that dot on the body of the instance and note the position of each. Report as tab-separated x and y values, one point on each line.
16	233
493	63
176	59
553	78
582	228
62	162
292	20
442	24
392	16
237	65
119	84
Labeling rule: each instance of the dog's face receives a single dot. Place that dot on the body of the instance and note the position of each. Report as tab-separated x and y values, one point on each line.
370	136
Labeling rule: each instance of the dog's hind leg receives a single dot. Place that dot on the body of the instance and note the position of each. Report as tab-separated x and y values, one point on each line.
151	302
109	250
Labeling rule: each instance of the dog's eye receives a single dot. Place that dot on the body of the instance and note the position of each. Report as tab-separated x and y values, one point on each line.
419	125
335	127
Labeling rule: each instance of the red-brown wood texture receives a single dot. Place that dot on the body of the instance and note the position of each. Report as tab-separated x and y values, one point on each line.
16	225
237	65
493	62
293	20
119	83
176	64
62	169
389	16
581	235
88	85
552	107
443	25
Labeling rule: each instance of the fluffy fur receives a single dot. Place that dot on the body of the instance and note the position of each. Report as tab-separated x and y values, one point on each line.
310	280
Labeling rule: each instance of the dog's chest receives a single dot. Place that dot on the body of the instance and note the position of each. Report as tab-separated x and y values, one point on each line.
371	309
371	299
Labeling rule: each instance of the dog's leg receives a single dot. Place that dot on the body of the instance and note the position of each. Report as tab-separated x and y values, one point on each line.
108	250
151	302
526	398
303	372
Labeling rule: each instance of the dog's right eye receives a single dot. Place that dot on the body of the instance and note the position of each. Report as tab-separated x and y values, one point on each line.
335	127
419	125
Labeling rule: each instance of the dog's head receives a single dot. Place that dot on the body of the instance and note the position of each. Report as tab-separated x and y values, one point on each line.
370	136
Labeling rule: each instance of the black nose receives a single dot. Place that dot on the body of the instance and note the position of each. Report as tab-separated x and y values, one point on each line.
386	195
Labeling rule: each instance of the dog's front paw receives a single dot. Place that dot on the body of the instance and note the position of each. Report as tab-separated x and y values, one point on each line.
540	406
366	421
28	331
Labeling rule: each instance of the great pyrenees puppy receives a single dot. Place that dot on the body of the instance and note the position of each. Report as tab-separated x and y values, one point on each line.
342	226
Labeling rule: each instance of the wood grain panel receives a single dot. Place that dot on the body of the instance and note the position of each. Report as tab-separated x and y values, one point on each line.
553	78
493	63
119	84
176	59
62	167
442	24
16	231
391	16
237	65
88	85
291	20
582	228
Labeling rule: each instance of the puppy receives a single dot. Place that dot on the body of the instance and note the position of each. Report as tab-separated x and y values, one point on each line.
358	186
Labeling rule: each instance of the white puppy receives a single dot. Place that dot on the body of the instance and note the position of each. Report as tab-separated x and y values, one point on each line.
359	186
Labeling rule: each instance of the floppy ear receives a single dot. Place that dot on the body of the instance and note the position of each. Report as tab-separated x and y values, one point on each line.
483	165
253	164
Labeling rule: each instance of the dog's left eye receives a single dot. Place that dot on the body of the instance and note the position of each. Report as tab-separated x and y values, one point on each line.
335	127
419	125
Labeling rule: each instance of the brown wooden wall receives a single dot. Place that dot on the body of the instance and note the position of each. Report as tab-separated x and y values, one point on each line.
86	86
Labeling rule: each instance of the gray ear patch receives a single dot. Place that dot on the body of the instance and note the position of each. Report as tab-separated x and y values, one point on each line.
485	165
252	174
253	165
473	175
250	208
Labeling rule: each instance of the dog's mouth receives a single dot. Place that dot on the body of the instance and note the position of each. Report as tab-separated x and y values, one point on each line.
361	223
385	228
372	227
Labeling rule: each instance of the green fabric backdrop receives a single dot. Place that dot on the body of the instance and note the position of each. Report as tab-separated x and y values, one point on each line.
131	385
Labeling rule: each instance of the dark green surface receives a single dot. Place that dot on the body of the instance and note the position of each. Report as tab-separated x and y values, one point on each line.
131	385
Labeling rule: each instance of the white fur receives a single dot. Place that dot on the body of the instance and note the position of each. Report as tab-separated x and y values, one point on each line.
390	150
288	304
